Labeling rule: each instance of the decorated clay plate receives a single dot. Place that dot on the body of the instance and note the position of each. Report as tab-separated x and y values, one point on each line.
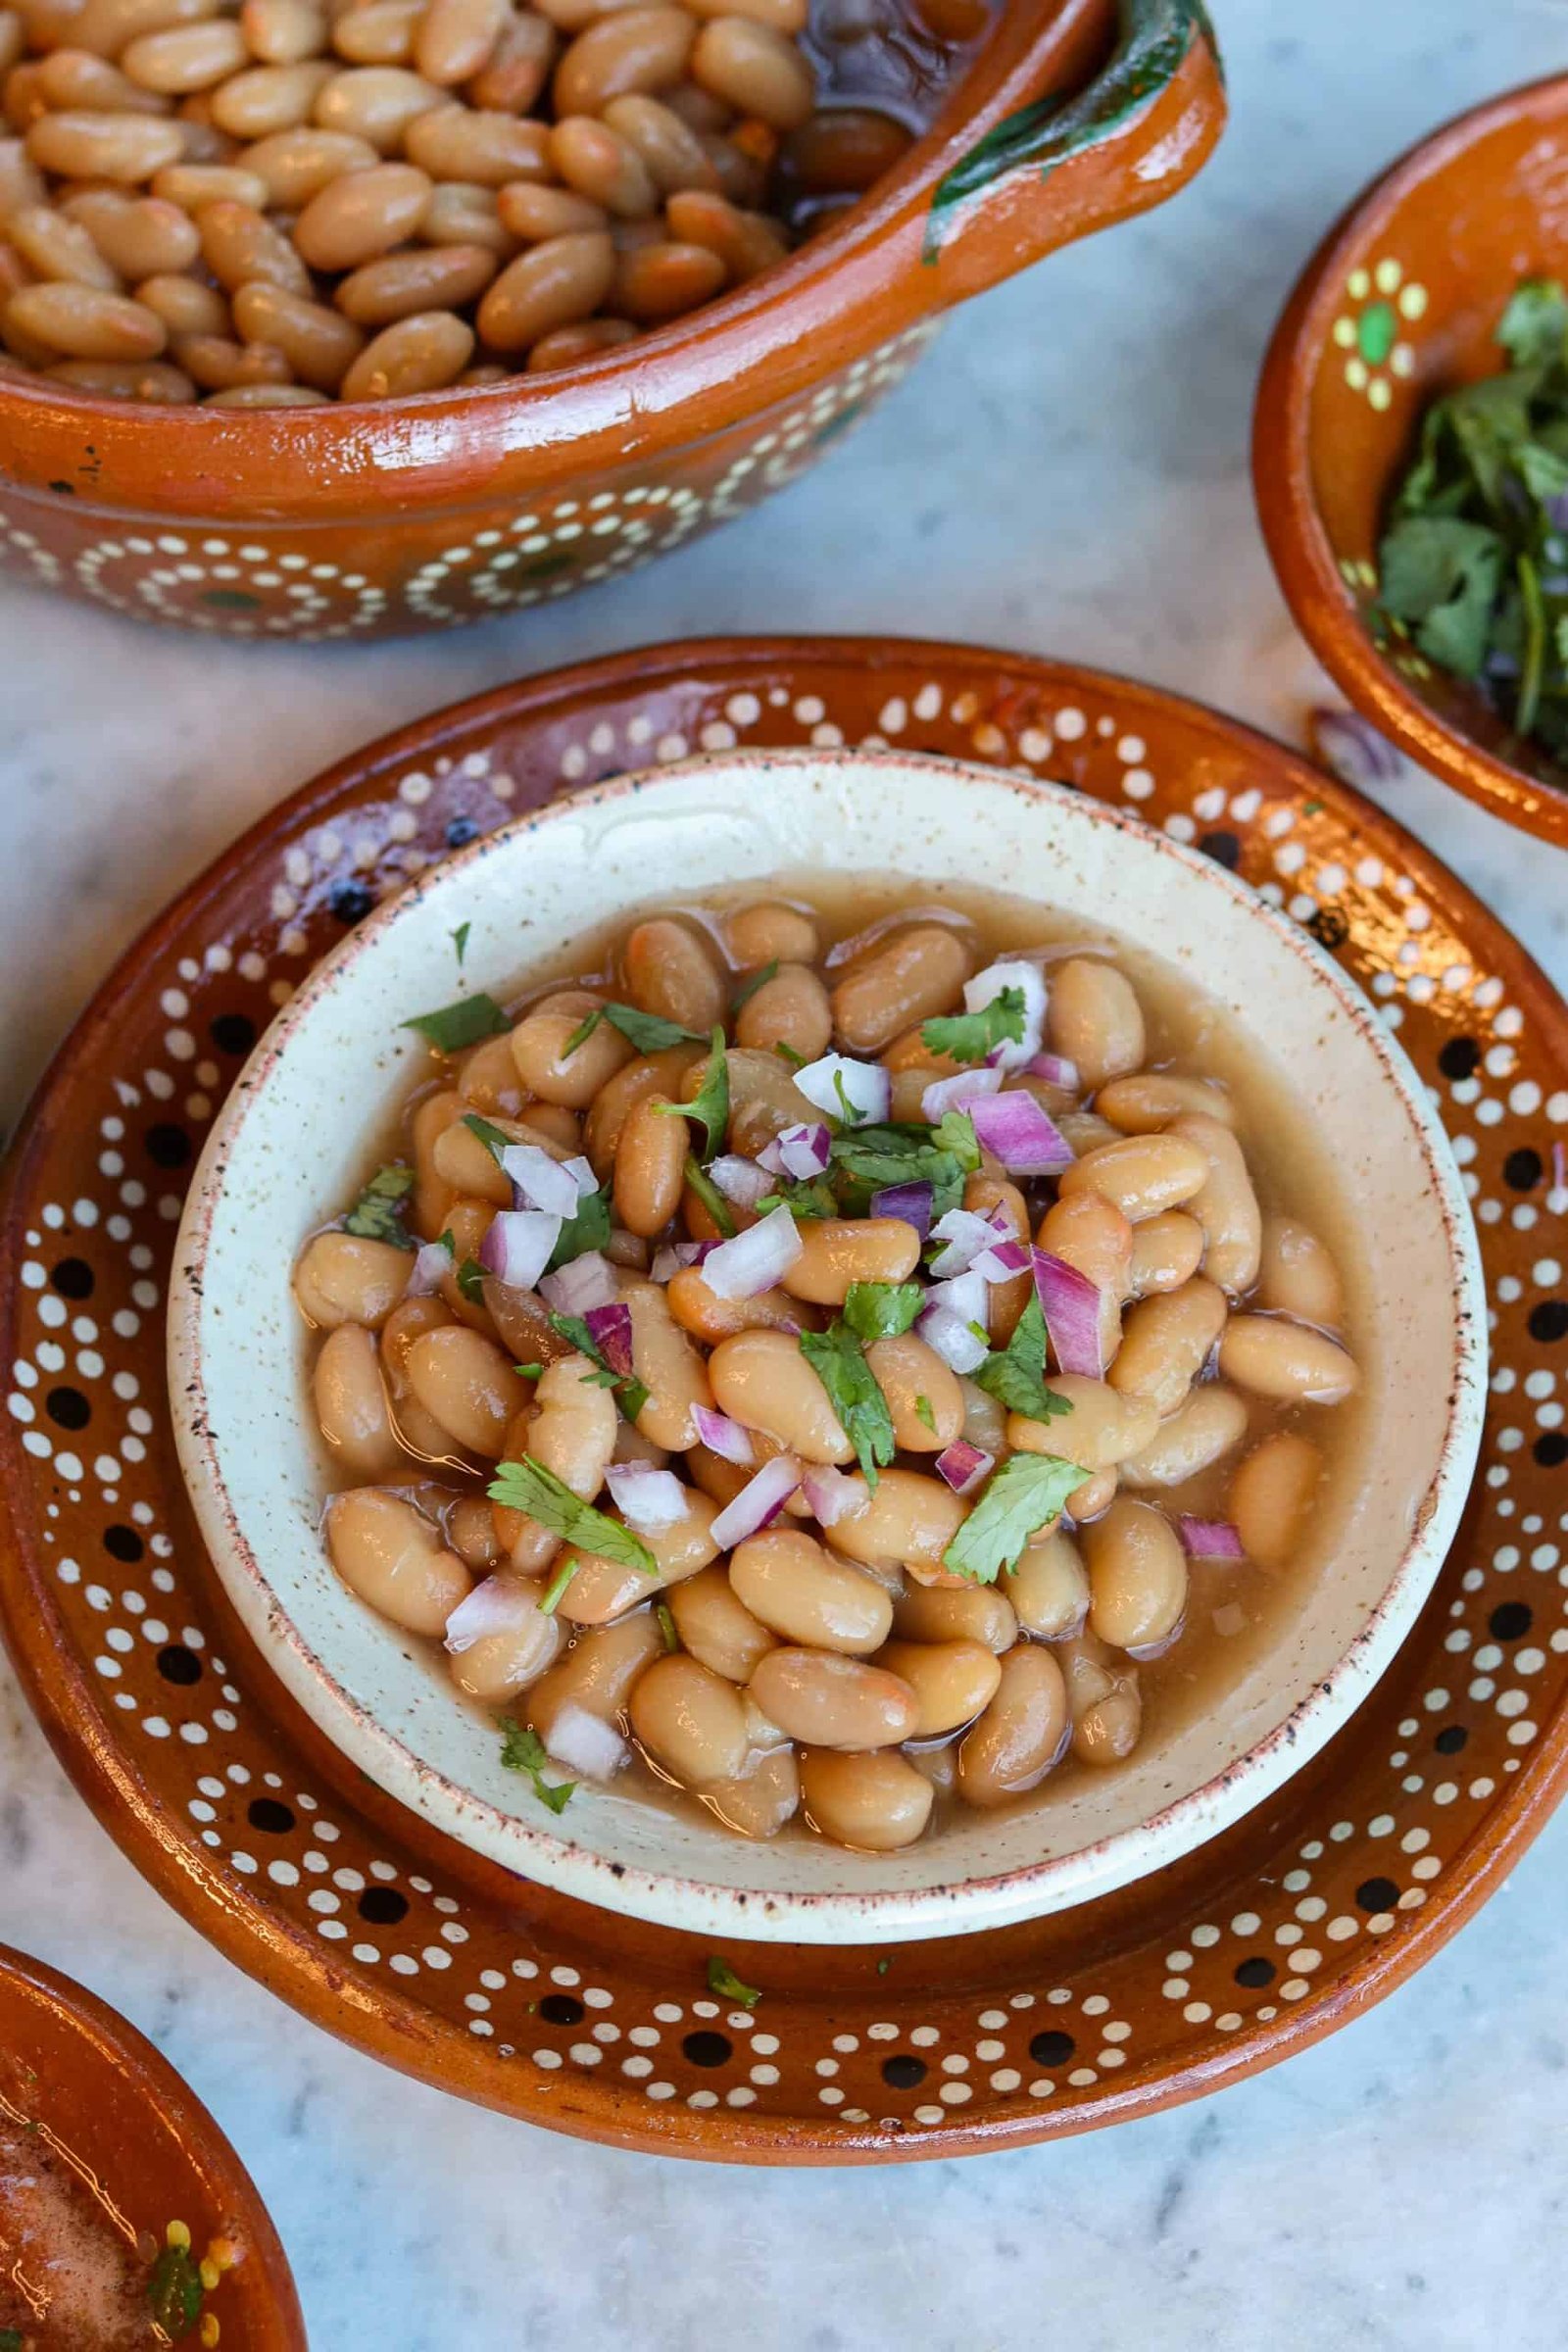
383	1929
116	2184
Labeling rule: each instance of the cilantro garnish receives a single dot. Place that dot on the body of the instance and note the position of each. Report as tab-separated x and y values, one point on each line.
522	1750
873	1158
924	1412
11	2339
808	1197
797	1062
631	1394
377	1217
588	1230
666	1624
709	1105
971	1036
708	1194
527	1371
1015	1375
555	1591
838	1359
722	1980
647	1031
528	1487
881	1311
752	983
464	1023
488	1133
470	1281
460	940
1015	1502
850	1112
174	2291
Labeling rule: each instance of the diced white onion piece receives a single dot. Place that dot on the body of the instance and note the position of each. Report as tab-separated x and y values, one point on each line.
648	1498
588	1281
758	1503
432	1262
986	986
755	1259
723	1436
538	1181
499	1606
959	1346
831	1496
586	1743
868	1088
742	1181
518	1246
957	1093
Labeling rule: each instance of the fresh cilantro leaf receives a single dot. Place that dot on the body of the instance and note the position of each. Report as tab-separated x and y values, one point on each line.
797	1062
588	1230
881	1311
448	1242
630	1389
460	940
527	1371
752	983
924	1412
647	1031
175	2291
848	1113
488	1133
522	1750
872	1159
470	1281
464	1023
1443	574
709	1105
1014	1504
1533	328
1015	1375
377	1217
838	1359
666	1624
551	1598
883	1965
954	1132
808	1196
722	1980
712	1198
528	1487
971	1036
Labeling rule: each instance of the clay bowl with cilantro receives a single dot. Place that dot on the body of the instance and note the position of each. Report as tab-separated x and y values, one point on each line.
827	1346
1411	457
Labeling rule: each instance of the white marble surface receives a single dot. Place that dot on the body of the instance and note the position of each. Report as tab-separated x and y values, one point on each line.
1068	472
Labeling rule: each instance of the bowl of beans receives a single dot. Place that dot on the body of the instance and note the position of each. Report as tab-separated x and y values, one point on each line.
336	317
779	1390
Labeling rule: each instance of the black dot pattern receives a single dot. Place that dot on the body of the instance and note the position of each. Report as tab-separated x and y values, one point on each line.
73	1278
1329	927
1550	1448
460	831
68	1408
123	1543
1511	1620
168	1145
903	2070
383	1906
271	1814
1460	1057
708	2049
232	1032
1549	1321
1377	1894
1523	1169
562	2009
1224	848
1255	1972
351	902
177	1664
1052	2048
1450	1740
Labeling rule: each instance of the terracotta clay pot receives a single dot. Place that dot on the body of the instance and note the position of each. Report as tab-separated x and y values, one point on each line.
364	521
1399	304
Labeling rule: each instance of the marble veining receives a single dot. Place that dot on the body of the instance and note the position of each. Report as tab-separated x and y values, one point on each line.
1065	472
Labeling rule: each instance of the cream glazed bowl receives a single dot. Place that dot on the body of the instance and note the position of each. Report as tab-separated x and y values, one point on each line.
290	1146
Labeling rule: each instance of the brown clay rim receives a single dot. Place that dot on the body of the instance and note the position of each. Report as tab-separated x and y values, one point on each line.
1321	605
69	1708
861	280
110	2050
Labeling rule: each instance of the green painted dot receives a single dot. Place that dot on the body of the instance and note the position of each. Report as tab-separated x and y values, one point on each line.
1374	332
231	599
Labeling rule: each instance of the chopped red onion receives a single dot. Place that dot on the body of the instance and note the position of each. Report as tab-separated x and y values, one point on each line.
963	1465
673	1256
588	1281
1209	1539
758	1503
831	1496
610	1327
499	1606
1025	1141
1147	1651
431	1264
957	1093
1071	1305
754	1260
912	1203
866	1087
723	1436
965	1233
964	1296
518	1246
744	1182
582	1175
1013	1053
538	1181
1003	1261
959	1346
801	1151
649	1498
586	1743
1056	1069
1350	748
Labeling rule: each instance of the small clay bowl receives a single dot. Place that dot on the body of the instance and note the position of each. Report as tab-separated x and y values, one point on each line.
1401	303
281	1158
366	519
114	2111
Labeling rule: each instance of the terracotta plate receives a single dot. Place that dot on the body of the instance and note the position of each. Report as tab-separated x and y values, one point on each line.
394	1937
144	2145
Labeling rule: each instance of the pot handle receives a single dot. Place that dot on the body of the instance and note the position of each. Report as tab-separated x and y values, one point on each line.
1058	167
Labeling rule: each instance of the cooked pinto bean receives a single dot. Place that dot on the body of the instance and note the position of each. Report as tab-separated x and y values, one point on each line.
790	1009
876	1802
1105	1699
1021	1734
344	1279
1274	1358
1101	1428
1166	1251
670	972
1297	1275
496	1667
836	1252
594	1676
912	1376
1226	1207
1199	1433
1152	1099
1165	1344
1094	1019
1049	1587
715	1625
1141	1174
351	1404
1272	1495
539	1046
389	1554
600	1589
908	1522
1136	1576
761	1380
920	972
956	1613
952	1680
800	1591
1089	1233
650	1165
825	1699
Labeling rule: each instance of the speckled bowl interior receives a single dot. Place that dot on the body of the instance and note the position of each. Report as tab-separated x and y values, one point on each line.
290	1146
